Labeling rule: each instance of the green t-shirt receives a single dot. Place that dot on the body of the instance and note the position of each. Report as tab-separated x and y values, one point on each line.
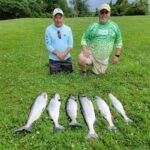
101	38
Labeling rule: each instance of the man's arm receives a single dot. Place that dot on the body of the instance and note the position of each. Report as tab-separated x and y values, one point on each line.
48	41
118	43
84	39
117	54
70	45
86	51
50	47
67	51
59	55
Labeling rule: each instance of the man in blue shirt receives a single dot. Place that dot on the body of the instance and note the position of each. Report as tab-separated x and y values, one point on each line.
59	42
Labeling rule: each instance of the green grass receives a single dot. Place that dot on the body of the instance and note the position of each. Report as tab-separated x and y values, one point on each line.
24	74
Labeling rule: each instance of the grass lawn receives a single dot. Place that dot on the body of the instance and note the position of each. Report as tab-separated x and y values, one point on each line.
24	74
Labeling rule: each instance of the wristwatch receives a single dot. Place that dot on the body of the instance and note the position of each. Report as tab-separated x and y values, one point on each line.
117	55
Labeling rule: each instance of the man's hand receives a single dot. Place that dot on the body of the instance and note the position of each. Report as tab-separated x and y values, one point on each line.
86	51
115	60
61	56
116	57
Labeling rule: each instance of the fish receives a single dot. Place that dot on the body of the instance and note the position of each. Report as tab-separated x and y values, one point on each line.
89	116
105	111
119	107
53	111
71	110
36	110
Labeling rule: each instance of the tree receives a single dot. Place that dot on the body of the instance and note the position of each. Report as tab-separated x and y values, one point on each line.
10	9
139	7
14	9
96	12
52	4
37	7
80	7
122	7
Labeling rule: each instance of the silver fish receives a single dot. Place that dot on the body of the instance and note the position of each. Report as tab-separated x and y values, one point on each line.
53	110
89	116
105	111
37	108
71	109
119	107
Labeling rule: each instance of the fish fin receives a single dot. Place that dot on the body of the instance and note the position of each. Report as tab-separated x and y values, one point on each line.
20	129
24	128
29	129
128	120
92	136
76	124
113	128
59	128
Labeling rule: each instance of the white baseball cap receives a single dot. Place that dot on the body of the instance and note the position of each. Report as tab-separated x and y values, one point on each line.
104	6
57	11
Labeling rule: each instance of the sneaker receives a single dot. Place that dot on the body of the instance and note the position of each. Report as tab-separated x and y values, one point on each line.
84	74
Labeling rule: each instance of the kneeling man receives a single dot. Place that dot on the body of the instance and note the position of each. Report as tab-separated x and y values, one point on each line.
98	42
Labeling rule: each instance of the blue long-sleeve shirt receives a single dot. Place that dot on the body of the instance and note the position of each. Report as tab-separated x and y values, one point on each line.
53	42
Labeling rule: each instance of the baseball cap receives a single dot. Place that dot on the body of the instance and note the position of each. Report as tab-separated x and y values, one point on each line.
57	11
104	6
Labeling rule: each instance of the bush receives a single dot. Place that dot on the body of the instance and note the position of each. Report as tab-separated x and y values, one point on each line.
45	15
13	9
123	8
136	11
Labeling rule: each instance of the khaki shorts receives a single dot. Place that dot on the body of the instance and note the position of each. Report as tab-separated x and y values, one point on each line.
98	65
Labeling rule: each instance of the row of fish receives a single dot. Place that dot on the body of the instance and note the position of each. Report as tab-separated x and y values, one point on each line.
87	110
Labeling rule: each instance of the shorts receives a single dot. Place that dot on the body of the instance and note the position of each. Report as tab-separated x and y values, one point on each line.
99	66
58	66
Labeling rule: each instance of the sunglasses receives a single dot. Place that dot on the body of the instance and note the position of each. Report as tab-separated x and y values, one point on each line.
104	12
59	34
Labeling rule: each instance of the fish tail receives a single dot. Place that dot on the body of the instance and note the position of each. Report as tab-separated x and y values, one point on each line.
128	120
24	128
92	136
58	128
112	127
76	124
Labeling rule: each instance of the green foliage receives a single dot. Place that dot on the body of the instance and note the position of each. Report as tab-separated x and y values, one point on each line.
80	7
37	8
136	11
52	4
96	12
138	8
24	74
122	7
13	9
31	8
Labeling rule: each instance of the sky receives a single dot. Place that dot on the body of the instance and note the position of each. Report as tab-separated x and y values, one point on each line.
95	3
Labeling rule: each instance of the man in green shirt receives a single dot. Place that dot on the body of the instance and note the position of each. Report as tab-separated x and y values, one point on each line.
98	41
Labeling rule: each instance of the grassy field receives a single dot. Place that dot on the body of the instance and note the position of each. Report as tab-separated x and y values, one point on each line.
24	74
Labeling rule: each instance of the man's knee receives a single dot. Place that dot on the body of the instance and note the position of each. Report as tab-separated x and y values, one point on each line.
54	67
81	59
67	66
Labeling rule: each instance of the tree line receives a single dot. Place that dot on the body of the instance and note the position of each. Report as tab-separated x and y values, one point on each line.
10	9
123	7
